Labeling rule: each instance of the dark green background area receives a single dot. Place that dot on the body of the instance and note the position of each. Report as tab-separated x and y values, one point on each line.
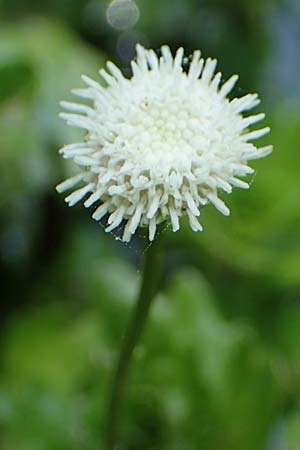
218	367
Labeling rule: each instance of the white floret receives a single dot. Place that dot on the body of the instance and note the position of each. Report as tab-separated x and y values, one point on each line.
160	145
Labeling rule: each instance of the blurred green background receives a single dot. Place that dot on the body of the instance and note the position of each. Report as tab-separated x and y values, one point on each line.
218	367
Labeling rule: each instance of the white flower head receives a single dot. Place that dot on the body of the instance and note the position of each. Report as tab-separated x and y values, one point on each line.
162	144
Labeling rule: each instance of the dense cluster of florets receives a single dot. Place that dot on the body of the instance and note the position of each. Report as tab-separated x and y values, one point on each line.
160	145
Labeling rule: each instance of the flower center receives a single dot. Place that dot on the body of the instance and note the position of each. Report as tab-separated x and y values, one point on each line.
166	130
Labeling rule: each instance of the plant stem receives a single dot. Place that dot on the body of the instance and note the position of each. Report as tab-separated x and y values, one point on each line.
151	277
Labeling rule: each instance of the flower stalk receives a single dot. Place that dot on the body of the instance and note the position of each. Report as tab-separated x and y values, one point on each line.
151	277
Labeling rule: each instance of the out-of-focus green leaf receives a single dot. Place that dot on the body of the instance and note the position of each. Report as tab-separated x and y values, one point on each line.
62	368
40	62
56	350
287	345
190	364
54	59
291	431
15	75
196	364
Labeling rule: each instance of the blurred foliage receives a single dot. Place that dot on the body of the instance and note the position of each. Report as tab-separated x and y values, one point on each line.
39	61
37	73
219	365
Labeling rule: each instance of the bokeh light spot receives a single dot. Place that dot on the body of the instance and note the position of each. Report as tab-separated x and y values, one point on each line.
122	14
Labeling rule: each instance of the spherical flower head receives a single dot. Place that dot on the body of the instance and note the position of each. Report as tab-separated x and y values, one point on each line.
160	145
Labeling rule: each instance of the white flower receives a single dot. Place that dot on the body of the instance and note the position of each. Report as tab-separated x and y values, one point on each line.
162	144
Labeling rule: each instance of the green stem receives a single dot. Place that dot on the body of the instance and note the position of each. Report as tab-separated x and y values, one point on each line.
151	277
